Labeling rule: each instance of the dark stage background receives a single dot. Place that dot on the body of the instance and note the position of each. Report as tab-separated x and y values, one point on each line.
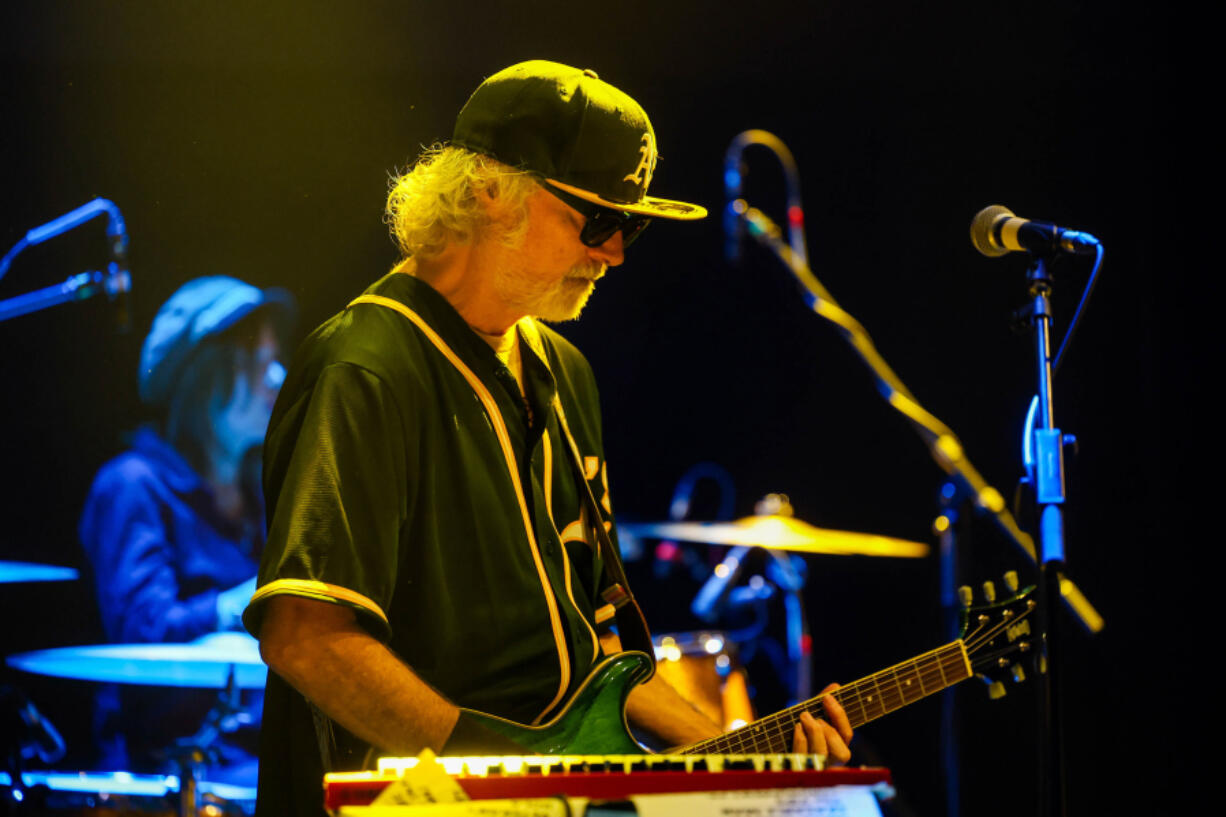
256	140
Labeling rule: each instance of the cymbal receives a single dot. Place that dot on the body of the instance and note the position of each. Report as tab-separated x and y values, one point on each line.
31	572
203	663
778	533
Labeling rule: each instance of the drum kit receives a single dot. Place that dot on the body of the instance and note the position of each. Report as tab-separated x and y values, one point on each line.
701	664
227	662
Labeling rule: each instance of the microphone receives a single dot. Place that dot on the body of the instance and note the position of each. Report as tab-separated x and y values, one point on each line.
995	231
734	178
119	279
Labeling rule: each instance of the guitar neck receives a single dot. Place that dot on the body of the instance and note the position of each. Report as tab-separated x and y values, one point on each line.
864	700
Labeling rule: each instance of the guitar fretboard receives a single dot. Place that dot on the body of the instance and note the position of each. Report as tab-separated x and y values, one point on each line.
864	700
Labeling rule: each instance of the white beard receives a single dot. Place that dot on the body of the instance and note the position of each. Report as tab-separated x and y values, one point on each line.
558	301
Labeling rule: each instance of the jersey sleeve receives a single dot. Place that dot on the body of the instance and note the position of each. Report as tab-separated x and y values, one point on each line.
335	483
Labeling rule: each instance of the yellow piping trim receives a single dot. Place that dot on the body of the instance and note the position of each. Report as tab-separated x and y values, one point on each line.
317	590
547	451
647	206
508	453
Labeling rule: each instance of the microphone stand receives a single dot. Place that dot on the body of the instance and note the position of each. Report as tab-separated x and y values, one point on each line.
114	282
945	529
942	443
1048	483
949	454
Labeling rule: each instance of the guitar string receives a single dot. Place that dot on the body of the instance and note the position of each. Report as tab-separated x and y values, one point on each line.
781	724
929	669
976	643
774	727
973	644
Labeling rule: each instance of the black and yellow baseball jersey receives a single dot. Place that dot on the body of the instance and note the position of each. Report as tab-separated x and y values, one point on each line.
409	479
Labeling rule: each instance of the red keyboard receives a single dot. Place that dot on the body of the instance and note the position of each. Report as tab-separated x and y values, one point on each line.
604	777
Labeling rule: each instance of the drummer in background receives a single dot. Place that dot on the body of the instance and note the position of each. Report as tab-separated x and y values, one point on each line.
173	527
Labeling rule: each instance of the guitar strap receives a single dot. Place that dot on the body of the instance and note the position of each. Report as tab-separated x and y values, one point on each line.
631	623
632	628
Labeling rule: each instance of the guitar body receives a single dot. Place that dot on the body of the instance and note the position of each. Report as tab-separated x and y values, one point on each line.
593	721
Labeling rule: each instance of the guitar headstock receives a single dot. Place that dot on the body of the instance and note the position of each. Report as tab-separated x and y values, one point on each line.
998	631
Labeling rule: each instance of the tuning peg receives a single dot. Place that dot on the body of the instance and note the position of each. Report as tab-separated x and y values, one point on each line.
966	596
1011	581
1019	674
989	592
996	690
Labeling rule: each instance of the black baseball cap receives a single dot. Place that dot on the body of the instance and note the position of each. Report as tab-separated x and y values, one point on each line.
574	130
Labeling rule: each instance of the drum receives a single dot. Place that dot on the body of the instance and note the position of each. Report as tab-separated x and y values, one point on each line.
121	794
702	666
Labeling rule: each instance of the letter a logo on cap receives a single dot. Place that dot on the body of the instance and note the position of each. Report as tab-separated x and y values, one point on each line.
647	163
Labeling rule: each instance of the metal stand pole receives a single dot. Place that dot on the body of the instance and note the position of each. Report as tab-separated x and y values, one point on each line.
1048	447
944	528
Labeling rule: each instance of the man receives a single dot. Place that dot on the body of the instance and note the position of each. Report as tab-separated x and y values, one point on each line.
431	544
173	526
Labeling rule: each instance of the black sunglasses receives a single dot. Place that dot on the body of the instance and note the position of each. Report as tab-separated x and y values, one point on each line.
602	222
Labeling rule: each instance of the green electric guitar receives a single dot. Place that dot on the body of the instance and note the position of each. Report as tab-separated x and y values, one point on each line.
593	721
